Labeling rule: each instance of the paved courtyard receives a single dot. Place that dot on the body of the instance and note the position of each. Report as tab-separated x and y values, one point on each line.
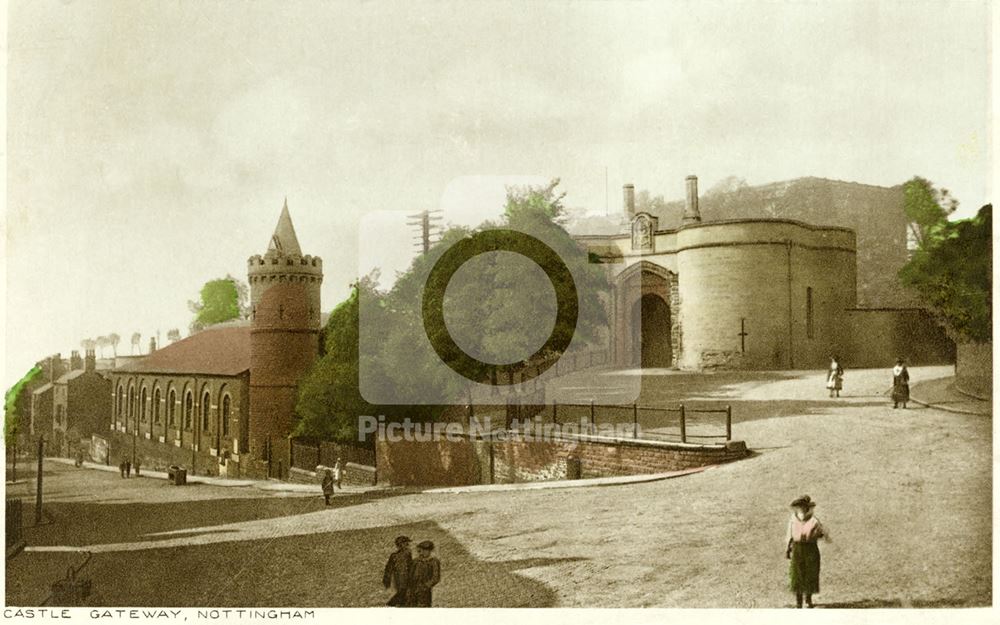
906	495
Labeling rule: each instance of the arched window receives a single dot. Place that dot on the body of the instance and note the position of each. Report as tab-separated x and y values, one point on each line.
188	409
120	402
156	406
142	405
226	408
206	405
172	408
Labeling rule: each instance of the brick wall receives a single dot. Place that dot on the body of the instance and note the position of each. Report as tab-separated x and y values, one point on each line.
470	460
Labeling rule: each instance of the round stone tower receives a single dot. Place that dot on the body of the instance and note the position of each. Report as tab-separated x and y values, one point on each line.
285	318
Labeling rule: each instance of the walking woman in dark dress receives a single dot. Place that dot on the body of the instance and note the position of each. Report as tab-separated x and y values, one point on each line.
900	384
804	530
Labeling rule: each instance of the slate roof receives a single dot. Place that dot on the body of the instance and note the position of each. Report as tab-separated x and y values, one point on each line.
214	351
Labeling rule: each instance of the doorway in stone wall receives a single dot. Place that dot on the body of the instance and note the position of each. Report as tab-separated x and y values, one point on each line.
651	332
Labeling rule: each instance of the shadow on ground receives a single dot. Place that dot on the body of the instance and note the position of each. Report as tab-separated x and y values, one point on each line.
81	524
332	569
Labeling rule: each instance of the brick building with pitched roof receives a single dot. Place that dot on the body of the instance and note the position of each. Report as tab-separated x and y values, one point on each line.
221	401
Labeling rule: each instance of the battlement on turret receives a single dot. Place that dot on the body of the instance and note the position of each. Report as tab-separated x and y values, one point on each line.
278	258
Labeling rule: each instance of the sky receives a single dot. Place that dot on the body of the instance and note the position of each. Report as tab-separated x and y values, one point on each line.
150	146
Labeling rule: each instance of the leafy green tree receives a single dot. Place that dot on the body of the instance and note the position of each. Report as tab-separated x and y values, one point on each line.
927	209
952	270
398	357
17	404
113	340
330	402
221	300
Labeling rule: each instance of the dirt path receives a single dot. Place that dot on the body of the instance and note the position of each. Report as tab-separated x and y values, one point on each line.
906	495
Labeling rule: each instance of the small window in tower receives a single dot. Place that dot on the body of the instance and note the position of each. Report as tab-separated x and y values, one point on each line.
156	406
172	408
809	312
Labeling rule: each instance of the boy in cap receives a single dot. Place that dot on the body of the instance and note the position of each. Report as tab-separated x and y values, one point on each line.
425	573
397	572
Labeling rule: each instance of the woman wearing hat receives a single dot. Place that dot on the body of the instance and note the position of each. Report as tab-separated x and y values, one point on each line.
804	530
835	376
900	384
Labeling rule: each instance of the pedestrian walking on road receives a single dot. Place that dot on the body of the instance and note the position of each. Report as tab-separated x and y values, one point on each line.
327	485
835	377
425	573
804	529
121	468
79	457
138	460
397	573
900	384
338	474
128	468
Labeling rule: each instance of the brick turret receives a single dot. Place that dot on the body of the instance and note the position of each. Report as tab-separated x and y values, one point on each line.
285	313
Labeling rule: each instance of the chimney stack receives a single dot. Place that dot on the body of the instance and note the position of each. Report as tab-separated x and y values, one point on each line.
55	367
628	191
75	362
90	361
691	213
152	344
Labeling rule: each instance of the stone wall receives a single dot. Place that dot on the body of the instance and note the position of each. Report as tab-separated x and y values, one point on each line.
471	460
760	272
877	337
974	369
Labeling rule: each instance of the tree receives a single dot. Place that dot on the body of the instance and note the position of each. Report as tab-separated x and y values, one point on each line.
221	300
173	335
729	184
113	340
952	271
136	340
927	209
88	344
646	202
17	405
329	401
396	355
102	342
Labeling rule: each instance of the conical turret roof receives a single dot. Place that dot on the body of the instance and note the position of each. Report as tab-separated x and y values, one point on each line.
284	240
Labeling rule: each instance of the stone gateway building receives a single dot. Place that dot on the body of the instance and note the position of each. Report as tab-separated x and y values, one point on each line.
222	401
755	293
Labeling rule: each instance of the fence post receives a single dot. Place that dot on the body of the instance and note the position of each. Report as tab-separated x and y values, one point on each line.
684	437
635	420
555	419
729	423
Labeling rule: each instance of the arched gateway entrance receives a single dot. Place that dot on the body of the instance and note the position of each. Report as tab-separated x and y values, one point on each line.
651	344
645	313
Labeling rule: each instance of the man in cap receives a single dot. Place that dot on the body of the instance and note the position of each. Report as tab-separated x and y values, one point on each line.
397	572
425	573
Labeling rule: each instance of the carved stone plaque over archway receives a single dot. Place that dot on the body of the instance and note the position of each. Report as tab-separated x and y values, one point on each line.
643	230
